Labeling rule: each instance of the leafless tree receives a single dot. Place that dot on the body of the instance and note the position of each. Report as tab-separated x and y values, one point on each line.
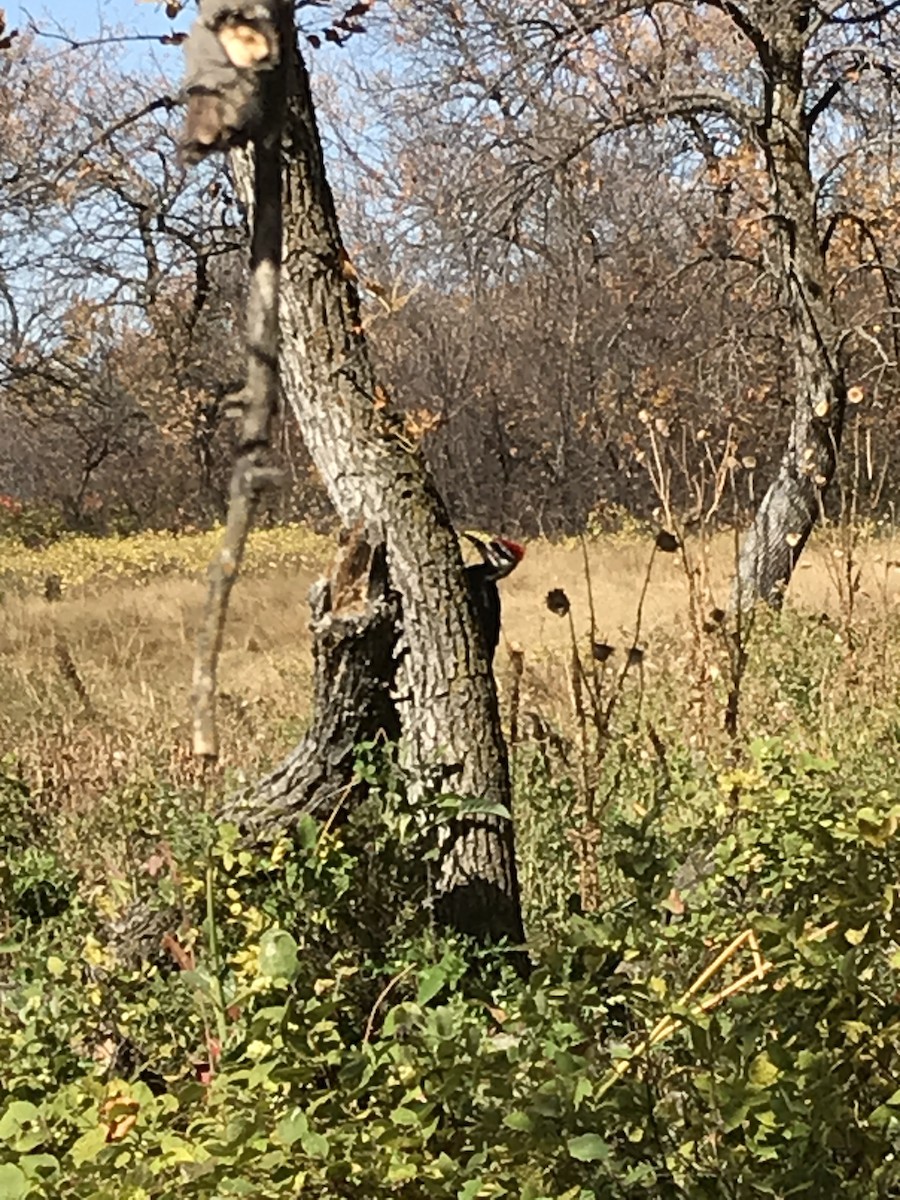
518	98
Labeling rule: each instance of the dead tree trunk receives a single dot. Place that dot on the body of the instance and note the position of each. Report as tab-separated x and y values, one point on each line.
355	627
790	508
445	696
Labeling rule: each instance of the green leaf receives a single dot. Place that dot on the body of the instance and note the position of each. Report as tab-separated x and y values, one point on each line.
519	1120
314	1144
88	1146
18	1114
278	955
308	832
476	807
200	979
402	1172
35	1165
470	1190
588	1147
763	1071
882	1116
430	983
13	1183
291	1128
404	1116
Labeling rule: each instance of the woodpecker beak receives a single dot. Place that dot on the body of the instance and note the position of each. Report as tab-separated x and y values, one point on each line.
477	543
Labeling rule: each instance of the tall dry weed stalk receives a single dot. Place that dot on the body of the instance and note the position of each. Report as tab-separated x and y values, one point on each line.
718	638
596	690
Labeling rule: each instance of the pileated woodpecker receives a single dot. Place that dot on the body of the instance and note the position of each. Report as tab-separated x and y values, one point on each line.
500	558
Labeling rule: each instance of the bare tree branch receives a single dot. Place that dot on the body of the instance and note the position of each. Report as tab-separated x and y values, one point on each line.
258	401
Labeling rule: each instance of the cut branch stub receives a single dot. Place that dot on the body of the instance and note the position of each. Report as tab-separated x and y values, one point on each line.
231	56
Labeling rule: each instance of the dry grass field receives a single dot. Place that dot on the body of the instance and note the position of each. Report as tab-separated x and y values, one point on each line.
654	839
130	642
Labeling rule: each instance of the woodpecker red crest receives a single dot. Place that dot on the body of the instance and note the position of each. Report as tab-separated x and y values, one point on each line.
501	556
504	556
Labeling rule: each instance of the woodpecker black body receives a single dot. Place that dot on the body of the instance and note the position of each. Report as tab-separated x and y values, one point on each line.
500	558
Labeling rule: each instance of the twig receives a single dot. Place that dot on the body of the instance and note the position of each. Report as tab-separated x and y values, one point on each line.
212	933
382	996
668	1024
164	102
257	404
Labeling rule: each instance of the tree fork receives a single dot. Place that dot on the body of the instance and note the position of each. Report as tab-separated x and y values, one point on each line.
444	691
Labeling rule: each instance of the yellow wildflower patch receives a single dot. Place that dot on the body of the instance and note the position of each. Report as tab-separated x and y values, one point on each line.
85	563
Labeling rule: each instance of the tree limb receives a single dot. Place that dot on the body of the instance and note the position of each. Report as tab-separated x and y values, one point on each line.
257	403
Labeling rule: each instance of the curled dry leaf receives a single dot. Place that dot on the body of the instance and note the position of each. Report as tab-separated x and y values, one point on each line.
119	1113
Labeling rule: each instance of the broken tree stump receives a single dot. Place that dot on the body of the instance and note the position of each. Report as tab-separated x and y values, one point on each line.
354	624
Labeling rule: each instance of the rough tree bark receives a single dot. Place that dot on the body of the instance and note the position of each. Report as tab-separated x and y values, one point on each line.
445	697
355	627
793	502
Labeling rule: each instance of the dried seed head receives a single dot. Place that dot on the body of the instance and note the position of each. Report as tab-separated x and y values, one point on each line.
667	542
558	602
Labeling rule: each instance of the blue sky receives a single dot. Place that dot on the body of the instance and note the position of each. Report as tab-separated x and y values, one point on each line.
86	17
91	18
